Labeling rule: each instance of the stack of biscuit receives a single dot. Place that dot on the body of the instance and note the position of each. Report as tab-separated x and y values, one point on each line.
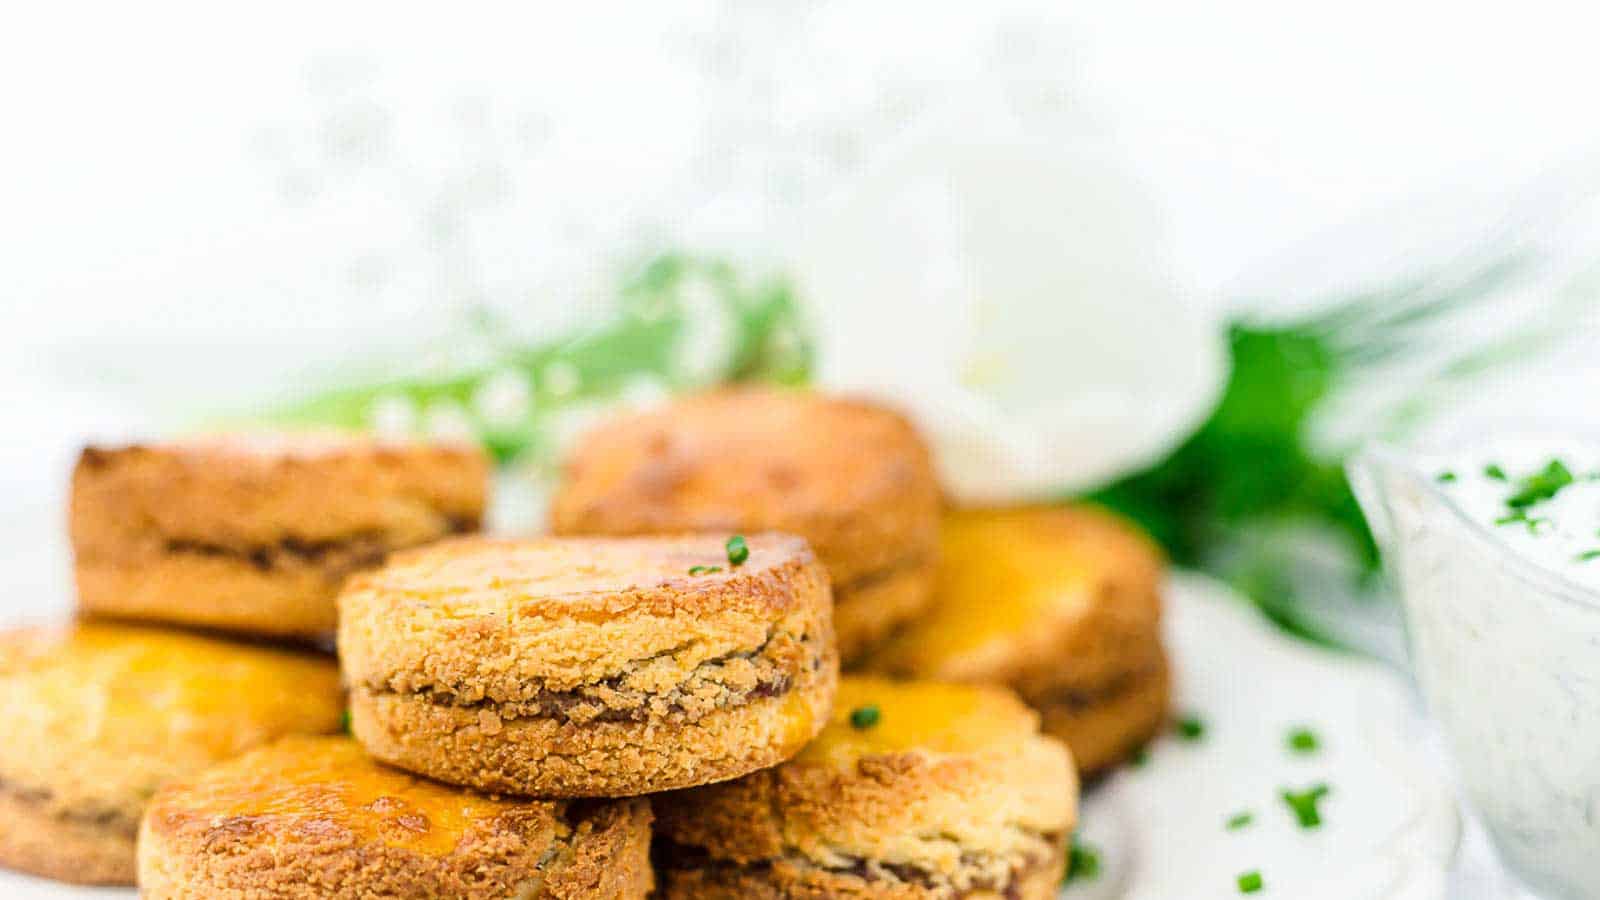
853	479
651	700
191	559
1061	604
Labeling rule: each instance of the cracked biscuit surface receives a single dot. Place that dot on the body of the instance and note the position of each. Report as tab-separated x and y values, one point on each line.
100	715
256	533
915	790
317	817
1063	605
589	667
853	478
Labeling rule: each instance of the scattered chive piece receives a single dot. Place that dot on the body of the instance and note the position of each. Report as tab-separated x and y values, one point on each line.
1250	882
1541	486
738	552
1083	861
1493	470
1304	741
1240	820
704	570
344	721
1191	728
1588	555
864	717
1535	524
1140	758
1445	477
1304	804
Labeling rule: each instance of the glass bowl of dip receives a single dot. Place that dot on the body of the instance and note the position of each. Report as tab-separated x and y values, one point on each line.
1496	555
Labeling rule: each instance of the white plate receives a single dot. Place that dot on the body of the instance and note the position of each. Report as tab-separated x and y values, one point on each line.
1390	826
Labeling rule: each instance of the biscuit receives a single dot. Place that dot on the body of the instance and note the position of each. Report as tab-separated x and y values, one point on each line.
870	609
1063	605
589	667
256	534
852	478
1104	728
914	790
99	715
317	817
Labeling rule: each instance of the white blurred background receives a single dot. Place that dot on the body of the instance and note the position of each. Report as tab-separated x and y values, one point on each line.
202	207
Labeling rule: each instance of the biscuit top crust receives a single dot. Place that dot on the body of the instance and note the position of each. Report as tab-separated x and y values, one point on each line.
100	713
501	620
881	717
329	785
470	575
245	490
1010	578
854	479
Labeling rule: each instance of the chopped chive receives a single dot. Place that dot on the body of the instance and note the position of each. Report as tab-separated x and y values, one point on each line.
1083	861
1250	882
1304	804
1588	555
1140	758
344	721
1493	470
704	570
1536	524
1304	741
1191	728
738	551
864	717
1240	820
1541	486
1445	477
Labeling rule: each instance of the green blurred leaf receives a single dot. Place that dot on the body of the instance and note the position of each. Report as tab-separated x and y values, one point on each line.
639	341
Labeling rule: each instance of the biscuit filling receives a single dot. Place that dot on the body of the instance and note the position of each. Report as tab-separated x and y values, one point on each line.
337	557
873	579
726	682
976	873
43	800
1078	699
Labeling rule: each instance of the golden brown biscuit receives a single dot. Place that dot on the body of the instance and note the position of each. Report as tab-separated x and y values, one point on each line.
589	667
914	790
1061	604
853	479
99	715
1106	727
256	534
870	609
317	817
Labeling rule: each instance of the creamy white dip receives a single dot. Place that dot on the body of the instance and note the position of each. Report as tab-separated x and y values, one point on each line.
1560	532
1503	609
